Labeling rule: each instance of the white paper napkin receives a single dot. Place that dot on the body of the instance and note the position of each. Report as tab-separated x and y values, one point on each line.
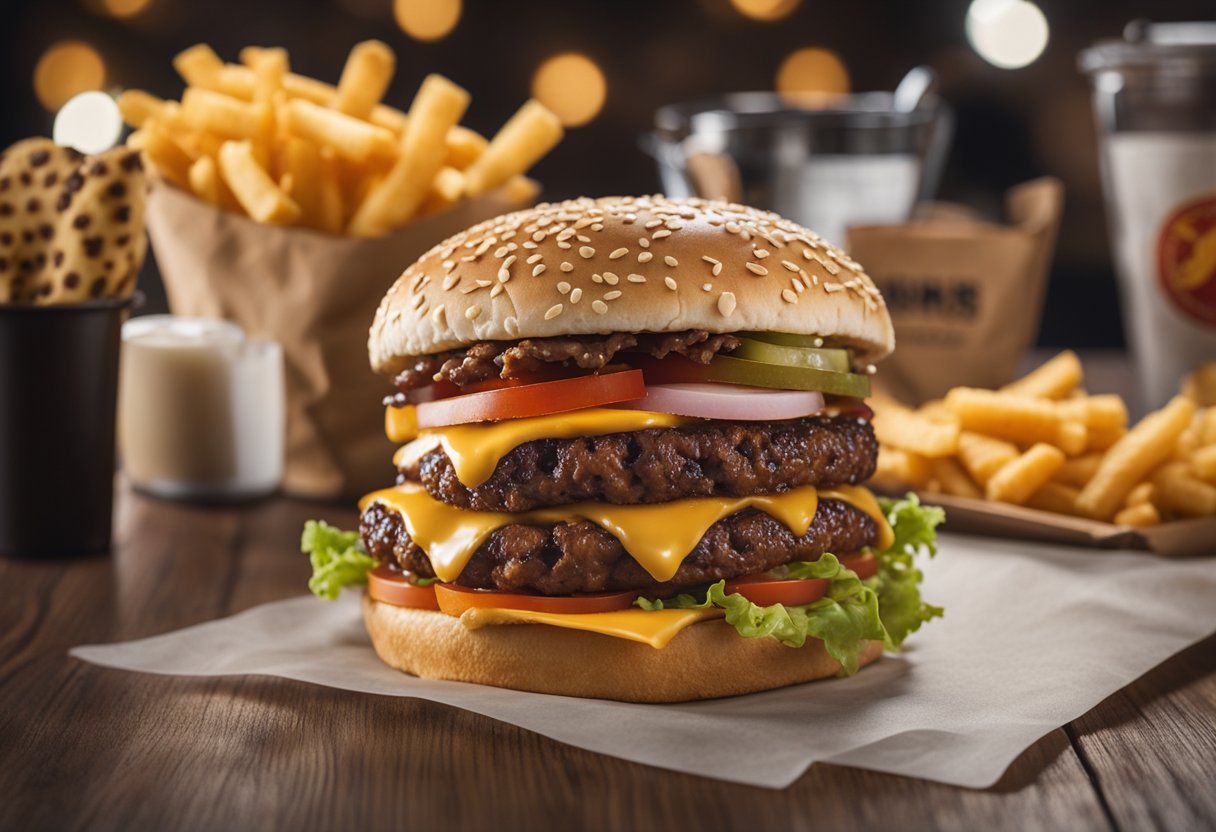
1034	636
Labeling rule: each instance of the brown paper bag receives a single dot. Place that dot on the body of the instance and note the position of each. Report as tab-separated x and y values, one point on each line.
315	294
965	295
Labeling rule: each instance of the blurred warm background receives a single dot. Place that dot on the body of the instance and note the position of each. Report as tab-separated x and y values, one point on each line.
1022	108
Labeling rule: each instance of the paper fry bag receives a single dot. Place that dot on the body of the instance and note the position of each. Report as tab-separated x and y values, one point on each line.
965	295
316	295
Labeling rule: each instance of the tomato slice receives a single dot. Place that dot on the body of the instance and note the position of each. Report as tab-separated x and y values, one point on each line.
393	587
765	591
454	600
539	399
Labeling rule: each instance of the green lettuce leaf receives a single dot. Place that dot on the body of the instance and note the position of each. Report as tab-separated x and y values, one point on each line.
898	581
885	608
338	558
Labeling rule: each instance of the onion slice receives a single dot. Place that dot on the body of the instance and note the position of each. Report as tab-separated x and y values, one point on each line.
736	402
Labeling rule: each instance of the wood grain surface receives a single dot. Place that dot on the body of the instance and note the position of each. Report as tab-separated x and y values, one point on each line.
83	747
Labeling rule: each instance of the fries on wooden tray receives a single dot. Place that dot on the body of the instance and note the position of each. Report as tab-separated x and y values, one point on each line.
1043	442
258	139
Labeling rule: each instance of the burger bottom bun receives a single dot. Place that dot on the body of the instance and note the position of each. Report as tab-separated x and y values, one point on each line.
704	661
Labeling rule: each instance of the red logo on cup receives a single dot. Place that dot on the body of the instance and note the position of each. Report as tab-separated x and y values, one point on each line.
1186	258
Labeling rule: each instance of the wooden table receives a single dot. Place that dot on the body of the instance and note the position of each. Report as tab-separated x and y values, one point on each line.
88	747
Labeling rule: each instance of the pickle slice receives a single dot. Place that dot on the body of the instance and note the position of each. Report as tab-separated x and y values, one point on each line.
820	358
732	370
786	339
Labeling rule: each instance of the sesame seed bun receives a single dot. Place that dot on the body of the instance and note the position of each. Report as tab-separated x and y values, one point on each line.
628	264
701	662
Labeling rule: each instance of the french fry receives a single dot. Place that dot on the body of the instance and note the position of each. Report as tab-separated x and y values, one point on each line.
898	469
224	115
366	76
198	65
1178	492
1055	497
137	106
528	135
1191	438
1015	482
465	146
1072	438
207	184
1130	460
983	456
268	73
1101	439
252	186
907	430
1204	463
952	479
1078	470
302	164
520	190
1145	492
1053	380
936	410
1200	386
1207	431
167	156
438	106
332	207
1106	411
1005	416
449	184
1144	514
350	138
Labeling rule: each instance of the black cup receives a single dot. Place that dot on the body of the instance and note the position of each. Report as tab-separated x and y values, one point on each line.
58	395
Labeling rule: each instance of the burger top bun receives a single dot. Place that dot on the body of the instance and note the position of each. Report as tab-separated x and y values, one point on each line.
628	264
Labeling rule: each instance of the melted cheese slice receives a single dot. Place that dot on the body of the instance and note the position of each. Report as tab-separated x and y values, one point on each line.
655	628
476	449
658	536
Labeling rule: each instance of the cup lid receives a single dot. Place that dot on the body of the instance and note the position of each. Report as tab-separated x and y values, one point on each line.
1181	45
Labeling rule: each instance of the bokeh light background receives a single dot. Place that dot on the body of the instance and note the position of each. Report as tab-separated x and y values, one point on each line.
1007	67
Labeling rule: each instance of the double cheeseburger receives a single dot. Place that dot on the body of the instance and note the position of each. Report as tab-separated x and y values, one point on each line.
633	439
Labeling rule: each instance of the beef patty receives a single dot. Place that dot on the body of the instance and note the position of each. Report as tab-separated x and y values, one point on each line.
580	556
727	459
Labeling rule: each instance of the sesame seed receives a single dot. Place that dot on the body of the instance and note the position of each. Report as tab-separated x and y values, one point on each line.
599	306
501	252
760	253
792	267
599	226
707	287
712	261
534	258
563	287
653	224
610	278
511	325
469	258
726	304
635	278
468	289
472	312
538	236
484	247
832	268
538	270
788	296
484	283
660	234
450	281
756	268
832	287
645	257
613	295
671	282
643	242
586	252
506	264
449	264
576	295
871	369
618	253
503	275
566	266
553	311
797	284
597	278
528	244
438	315
582	238
564	245
497	290
671	261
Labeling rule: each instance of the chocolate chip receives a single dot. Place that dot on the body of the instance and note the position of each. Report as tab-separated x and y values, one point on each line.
122	213
98	287
27	265
92	246
81	221
117	189
72	280
51	179
40	259
45	289
5	183
99	169
109	265
65	199
57	259
39	158
3	264
6	210
26	178
74	182
27	236
122	239
46	231
132	161
6	238
34	205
